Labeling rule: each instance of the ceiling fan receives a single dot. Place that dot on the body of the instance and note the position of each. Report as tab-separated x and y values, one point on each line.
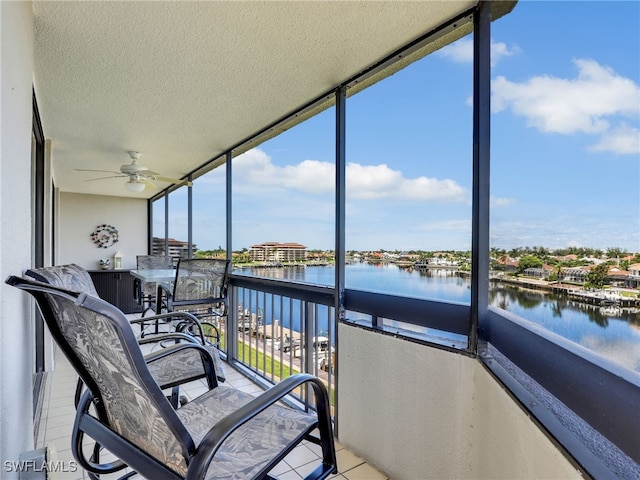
139	176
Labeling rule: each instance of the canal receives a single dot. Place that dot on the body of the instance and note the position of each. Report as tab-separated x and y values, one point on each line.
609	331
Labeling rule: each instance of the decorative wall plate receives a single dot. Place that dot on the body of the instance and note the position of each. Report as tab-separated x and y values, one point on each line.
104	236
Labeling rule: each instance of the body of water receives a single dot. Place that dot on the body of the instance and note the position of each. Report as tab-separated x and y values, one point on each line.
610	332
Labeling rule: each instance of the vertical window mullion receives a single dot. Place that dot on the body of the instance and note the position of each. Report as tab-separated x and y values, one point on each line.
481	163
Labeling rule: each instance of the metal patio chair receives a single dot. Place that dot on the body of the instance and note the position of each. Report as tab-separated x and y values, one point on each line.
173	371
199	288
223	434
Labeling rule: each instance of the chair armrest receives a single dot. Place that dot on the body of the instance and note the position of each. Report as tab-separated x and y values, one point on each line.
214	439
160	337
215	329
173	349
208	363
184	317
162	316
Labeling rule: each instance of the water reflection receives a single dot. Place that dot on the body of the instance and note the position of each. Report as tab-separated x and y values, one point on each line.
609	331
508	298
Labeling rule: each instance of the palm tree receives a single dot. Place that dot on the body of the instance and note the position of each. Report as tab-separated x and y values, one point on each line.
559	275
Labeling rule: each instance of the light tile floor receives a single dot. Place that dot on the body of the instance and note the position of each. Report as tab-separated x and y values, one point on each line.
58	415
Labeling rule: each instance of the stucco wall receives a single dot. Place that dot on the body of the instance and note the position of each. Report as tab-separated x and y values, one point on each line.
16	323
417	412
79	214
507	443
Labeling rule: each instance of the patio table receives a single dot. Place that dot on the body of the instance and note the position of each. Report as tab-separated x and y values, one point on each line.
160	276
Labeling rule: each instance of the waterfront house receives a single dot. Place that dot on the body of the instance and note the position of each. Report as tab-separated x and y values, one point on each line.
507	264
541	273
634	276
444	391
443	259
617	277
575	274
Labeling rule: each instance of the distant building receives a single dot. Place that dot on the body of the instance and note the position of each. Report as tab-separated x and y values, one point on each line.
618	277
634	276
177	248
541	272
278	252
567	258
444	259
575	274
506	264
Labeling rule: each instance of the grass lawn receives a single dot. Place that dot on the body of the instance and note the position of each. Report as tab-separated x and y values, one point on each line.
252	357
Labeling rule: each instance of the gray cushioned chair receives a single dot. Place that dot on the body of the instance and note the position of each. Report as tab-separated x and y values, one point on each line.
223	434
200	288
169	372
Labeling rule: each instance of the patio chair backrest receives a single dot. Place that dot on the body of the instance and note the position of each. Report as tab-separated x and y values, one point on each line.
149	262
71	277
98	340
201	280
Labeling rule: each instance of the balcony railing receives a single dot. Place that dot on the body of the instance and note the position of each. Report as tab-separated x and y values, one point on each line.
269	327
276	328
270	322
442	324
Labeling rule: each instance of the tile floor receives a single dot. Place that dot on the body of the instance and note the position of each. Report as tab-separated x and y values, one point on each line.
58	416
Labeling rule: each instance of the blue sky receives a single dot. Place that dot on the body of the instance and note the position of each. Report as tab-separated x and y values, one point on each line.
565	148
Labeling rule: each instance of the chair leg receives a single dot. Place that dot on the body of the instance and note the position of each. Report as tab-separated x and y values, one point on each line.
174	398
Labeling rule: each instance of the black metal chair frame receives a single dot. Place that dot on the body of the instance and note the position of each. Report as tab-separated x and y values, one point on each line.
187	327
205	307
197	457
171	299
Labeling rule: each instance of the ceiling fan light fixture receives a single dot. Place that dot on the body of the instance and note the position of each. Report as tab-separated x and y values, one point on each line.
139	177
134	186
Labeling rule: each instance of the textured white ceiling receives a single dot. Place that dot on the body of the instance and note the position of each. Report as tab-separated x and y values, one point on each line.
182	82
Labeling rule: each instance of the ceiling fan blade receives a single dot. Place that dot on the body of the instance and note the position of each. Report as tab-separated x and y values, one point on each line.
102	171
177	181
149	182
104	178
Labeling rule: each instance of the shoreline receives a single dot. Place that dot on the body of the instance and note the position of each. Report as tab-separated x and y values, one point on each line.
608	297
574	292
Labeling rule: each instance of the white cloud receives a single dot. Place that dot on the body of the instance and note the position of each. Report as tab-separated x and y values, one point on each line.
622	140
461	51
501	201
500	50
568	228
380	181
459	226
311	176
585	104
363	181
